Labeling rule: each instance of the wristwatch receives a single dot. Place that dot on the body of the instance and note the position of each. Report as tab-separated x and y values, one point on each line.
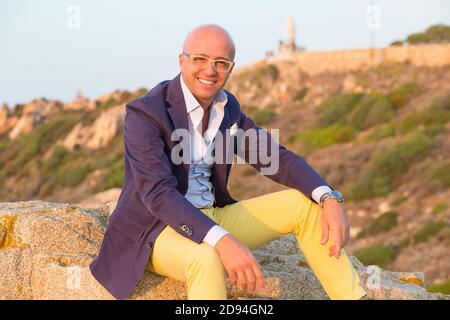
331	195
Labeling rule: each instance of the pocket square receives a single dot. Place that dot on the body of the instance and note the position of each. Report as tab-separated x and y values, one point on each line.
233	129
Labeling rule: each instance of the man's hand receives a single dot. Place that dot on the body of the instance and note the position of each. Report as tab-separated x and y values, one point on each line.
334	220
241	265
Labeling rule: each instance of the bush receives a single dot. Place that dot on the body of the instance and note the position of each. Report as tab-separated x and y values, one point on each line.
335	109
301	94
434	34
262	117
383	131
355	110
57	157
27	147
378	254
114	177
440	173
313	139
443	287
428	230
72	175
387	165
440	207
398	201
370	111
383	223
401	95
431	119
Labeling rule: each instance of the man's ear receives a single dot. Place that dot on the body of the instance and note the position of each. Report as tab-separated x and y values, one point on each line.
180	59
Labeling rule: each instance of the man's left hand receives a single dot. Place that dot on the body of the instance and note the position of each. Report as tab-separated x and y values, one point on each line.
334	220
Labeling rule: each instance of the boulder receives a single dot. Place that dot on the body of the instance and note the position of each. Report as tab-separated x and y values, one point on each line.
46	248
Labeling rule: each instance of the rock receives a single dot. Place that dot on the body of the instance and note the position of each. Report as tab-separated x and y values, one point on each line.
99	133
25	125
47	248
4	112
31	115
101	199
384	207
45	108
79	103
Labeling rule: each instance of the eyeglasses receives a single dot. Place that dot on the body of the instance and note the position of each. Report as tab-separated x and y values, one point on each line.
220	65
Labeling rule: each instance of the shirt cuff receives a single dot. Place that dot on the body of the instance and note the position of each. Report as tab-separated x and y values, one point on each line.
319	192
214	235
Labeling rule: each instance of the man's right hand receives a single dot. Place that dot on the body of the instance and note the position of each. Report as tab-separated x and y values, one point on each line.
242	267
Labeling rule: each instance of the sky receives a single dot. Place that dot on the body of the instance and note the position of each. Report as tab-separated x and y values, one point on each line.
53	48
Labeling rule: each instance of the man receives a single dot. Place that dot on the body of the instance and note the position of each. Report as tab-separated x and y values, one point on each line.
177	219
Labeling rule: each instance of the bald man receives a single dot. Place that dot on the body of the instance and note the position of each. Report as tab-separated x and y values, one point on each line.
177	219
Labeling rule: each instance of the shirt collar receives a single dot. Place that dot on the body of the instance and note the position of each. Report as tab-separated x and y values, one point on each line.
220	100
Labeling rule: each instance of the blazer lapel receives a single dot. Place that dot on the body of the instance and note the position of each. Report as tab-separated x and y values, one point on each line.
220	169
177	110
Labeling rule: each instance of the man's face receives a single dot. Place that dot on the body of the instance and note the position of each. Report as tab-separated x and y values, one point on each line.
205	83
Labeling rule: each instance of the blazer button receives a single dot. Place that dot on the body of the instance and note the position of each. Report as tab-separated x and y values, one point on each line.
189	232
149	245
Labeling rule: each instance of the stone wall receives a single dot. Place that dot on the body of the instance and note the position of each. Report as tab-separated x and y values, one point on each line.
314	62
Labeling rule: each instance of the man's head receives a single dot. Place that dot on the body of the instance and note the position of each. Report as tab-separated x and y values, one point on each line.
213	42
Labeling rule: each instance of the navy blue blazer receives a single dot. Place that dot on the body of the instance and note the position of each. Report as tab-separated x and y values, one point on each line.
152	196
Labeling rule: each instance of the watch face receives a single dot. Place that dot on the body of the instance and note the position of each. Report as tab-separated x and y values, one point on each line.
338	195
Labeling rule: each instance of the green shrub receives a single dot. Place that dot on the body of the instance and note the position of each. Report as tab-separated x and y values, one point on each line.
381	132
434	33
301	94
428	230
57	157
72	175
2	146
401	95
335	109
398	201
370	111
313	139
405	242
432	119
385	166
440	173
440	207
115	173
378	254
355	110
443	287
28	146
383	223
262	117
396	43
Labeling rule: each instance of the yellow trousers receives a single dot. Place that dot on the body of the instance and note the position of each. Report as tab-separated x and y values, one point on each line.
255	222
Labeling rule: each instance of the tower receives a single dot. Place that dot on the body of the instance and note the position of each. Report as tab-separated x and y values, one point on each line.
291	32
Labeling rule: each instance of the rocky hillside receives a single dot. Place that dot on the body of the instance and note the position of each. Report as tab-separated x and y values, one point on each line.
380	136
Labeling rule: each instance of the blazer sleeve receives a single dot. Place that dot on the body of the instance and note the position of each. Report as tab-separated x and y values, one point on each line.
153	178
293	171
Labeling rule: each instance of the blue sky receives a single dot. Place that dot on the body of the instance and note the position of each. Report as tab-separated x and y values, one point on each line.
135	43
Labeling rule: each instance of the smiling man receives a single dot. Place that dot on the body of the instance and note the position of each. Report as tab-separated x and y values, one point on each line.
179	220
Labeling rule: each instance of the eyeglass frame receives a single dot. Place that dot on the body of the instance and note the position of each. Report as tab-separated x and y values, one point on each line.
189	55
